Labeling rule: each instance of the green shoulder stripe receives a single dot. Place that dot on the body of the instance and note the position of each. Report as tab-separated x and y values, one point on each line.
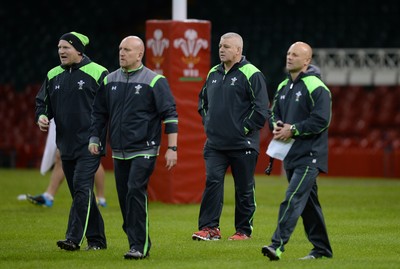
94	70
313	82
213	69
282	84
155	79
248	70
54	72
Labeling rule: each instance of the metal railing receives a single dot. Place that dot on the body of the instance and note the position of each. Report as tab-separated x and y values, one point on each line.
361	66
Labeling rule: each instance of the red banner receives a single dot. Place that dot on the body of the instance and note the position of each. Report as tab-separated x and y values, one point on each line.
180	50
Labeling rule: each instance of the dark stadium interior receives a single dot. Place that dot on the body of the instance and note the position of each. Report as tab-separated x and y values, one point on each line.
30	30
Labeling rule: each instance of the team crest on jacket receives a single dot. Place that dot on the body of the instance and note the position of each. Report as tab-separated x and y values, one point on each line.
298	94
138	87
233	81
80	84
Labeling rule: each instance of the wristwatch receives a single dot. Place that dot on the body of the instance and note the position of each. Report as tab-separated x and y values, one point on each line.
293	129
174	148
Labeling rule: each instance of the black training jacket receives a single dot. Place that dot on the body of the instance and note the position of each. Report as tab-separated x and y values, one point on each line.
67	95
134	105
234	106
305	103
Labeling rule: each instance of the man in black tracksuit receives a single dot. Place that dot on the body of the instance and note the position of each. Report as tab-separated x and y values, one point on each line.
67	95
234	107
134	101
302	110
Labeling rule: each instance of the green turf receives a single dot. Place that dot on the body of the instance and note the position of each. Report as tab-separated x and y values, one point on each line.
362	215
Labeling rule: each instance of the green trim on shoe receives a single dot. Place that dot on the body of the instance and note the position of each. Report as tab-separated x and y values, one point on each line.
278	253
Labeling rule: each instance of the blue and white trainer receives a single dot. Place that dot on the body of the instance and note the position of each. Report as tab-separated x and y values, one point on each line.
40	200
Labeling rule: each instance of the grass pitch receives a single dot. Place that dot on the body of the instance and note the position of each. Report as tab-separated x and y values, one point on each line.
362	216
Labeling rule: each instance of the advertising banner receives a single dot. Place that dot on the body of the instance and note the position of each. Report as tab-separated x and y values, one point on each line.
180	50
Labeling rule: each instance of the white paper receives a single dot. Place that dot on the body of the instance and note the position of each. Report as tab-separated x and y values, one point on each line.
50	149
278	149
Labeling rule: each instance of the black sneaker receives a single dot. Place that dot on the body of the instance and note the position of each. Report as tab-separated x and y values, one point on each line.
95	247
67	245
135	254
271	253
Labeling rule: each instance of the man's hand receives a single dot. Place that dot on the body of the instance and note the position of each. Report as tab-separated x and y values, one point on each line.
171	158
282	132
43	123
94	149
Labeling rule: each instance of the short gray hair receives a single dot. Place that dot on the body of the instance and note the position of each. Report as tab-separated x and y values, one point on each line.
237	37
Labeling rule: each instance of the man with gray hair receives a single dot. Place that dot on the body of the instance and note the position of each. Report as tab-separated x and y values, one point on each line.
233	104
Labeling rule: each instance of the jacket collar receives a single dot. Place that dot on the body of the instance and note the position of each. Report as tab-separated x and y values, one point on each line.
237	65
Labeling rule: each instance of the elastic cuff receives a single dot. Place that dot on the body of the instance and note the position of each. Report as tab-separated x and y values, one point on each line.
94	140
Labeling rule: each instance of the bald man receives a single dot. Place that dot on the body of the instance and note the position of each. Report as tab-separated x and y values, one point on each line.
134	102
302	111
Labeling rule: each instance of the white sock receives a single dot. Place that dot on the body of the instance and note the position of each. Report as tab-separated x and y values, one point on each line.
48	196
